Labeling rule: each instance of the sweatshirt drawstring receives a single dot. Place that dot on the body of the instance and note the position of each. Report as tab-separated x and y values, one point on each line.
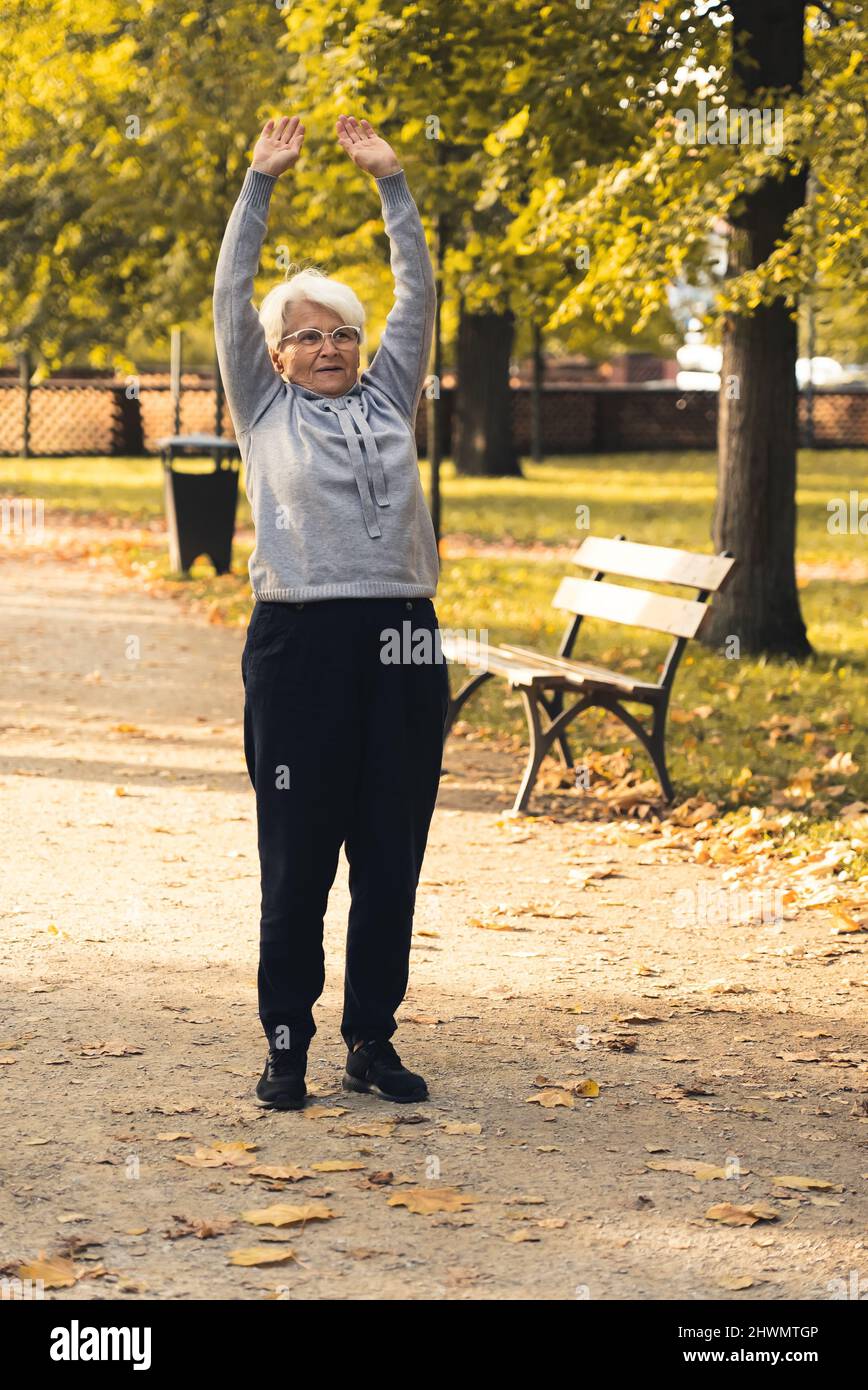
360	469
376	463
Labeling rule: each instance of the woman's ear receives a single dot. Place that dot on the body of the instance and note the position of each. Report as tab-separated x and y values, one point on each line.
275	358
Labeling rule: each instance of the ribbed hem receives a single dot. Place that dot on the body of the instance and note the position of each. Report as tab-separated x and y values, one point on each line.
395	191
257	187
369	588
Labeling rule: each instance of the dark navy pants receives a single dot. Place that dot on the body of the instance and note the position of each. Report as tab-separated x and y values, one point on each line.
343	748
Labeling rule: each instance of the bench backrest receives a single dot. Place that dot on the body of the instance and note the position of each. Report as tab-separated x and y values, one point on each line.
682	618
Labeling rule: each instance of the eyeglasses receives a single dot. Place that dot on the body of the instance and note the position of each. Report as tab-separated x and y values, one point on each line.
344	337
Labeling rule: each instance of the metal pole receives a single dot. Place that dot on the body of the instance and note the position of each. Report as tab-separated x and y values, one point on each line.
24	374
811	192
175	374
218	396
809	385
536	441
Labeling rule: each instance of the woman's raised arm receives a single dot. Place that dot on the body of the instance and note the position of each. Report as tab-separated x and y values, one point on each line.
400	364
248	372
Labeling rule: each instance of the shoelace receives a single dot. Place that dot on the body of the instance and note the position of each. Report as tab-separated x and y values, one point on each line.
282	1061
381	1050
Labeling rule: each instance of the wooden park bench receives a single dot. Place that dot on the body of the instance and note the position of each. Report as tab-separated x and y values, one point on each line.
544	682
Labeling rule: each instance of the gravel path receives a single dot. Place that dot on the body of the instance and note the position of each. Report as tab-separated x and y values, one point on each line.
130	1036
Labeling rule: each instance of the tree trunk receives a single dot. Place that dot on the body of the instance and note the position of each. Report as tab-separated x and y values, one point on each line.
755	516
482	442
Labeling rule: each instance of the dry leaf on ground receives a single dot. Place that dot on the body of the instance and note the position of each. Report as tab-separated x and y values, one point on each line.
550	1098
806	1184
424	1201
280	1214
52	1271
706	1172
261	1255
748	1215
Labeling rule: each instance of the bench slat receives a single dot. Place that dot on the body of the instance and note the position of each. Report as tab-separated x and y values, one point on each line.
584	670
541	669
656	563
634	607
503	663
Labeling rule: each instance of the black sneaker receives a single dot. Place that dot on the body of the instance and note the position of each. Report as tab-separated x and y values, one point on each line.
376	1067
281	1084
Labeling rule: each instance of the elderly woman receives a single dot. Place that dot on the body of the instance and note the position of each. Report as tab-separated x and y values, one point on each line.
343	746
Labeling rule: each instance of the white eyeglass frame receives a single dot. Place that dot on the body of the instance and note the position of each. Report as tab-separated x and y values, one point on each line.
290	337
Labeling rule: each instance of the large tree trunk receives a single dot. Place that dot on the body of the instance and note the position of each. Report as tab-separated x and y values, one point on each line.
755	517
482	443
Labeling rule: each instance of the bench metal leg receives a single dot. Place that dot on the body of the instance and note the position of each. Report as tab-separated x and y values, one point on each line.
657	750
542	739
554	706
653	740
536	753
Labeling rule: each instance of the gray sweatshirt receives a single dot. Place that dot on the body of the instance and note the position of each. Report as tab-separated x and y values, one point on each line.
333	481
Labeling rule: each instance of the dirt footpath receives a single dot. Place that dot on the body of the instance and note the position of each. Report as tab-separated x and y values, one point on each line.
548	962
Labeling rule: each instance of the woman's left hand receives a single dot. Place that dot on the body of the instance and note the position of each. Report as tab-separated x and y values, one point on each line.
366	148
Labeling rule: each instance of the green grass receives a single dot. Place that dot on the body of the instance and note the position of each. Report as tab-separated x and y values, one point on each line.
665	499
116	491
660	498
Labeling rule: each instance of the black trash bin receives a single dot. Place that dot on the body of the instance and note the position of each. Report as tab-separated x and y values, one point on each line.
200	507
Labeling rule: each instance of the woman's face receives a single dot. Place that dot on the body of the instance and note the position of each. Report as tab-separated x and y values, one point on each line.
326	368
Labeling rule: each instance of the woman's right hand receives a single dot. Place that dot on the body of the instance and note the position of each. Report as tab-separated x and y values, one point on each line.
279	145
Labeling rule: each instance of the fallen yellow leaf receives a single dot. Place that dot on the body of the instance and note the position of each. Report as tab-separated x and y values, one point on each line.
52	1271
806	1184
229	1154
706	1172
261	1255
280	1214
337	1165
549	1098
282	1172
586	1088
731	1215
424	1201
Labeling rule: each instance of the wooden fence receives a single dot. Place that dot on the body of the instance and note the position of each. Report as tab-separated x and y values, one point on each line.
69	417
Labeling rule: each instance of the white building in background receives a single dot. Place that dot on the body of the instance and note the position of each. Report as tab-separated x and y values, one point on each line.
699	366
699	363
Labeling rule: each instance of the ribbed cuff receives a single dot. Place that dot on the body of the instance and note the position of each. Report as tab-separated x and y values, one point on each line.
358	588
394	191
257	187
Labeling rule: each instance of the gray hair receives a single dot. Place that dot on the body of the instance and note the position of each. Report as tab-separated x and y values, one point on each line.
316	287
